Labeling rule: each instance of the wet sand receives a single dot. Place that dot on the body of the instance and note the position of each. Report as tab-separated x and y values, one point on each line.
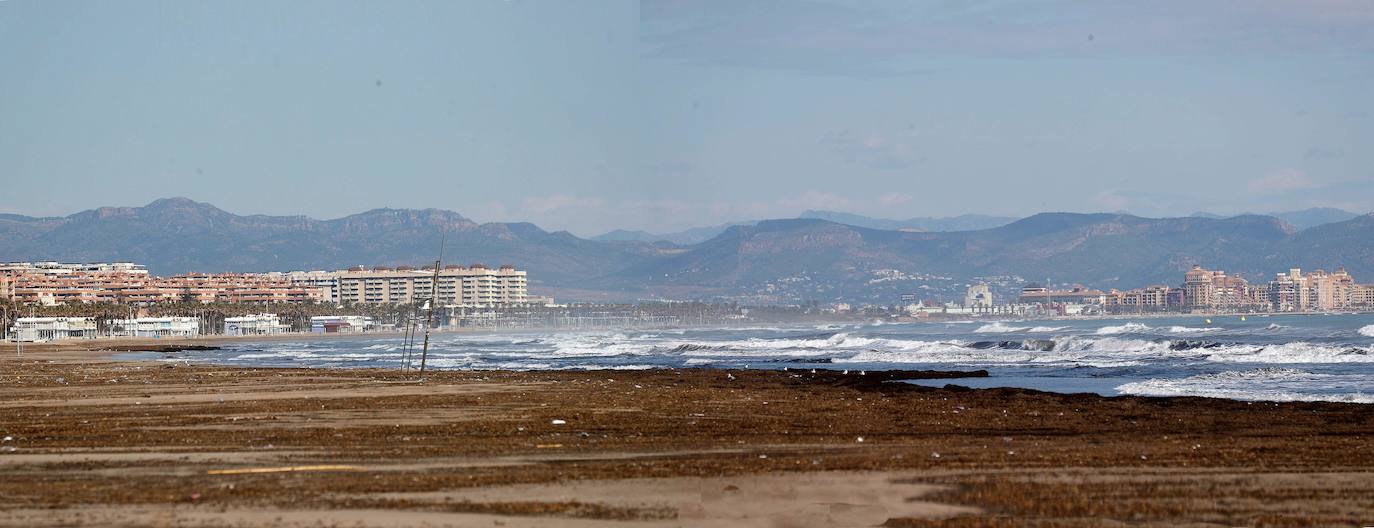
92	442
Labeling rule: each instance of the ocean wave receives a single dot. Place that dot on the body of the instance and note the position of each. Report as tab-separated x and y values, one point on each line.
1367	330
1192	330
999	328
1260	384
1128	328
1291	353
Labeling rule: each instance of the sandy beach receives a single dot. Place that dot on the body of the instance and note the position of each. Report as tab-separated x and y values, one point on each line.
88	441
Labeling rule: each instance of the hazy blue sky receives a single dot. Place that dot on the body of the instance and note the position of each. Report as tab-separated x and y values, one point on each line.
661	115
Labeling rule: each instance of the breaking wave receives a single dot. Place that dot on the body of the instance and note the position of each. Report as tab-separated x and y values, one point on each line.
1128	328
1367	330
999	328
1260	384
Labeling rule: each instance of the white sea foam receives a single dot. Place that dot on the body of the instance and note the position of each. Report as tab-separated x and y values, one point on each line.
1367	330
999	328
1123	329
1291	353
1192	330
1262	384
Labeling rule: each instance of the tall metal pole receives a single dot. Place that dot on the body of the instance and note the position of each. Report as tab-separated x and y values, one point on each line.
433	300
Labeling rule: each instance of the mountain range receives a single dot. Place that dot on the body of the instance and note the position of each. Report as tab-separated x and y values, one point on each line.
1300	219
768	261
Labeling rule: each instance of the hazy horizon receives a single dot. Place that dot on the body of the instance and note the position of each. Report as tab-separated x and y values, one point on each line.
663	115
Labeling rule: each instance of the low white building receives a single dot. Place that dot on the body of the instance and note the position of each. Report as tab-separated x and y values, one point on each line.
156	327
330	324
256	324
30	329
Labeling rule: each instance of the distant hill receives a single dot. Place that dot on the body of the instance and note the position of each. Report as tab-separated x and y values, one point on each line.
1301	219
177	235
770	261
685	237
1314	217
968	222
811	258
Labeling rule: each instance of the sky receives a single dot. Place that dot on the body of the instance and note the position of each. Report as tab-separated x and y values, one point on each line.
661	115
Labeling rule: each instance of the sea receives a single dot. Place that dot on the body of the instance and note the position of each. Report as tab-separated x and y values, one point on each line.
1258	357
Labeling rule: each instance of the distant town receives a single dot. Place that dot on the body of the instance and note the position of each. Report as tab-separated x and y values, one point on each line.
122	299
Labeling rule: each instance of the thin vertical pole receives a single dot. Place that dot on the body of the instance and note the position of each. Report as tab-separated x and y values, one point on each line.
433	300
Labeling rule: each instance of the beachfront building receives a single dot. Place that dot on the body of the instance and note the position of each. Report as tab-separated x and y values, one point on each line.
1214	290
257	324
1318	290
475	286
155	327
130	284
1036	294
31	329
1148	299
1362	296
341	324
978	296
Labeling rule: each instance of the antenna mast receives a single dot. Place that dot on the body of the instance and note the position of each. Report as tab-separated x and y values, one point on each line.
433	300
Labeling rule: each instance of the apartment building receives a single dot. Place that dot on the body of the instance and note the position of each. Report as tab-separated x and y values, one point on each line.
1214	290
1149	298
1292	291
470	286
123	283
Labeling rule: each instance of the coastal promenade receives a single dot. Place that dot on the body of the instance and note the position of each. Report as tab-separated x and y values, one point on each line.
88	441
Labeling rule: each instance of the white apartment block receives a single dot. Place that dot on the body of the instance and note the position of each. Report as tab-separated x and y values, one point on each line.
475	286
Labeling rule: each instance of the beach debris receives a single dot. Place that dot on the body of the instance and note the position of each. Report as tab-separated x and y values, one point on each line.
730	376
7	439
859	439
558	422
763	456
282	469
547	446
934	455
195	497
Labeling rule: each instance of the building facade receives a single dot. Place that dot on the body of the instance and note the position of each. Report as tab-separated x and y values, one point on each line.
256	324
31	329
978	296
341	324
155	327
472	286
